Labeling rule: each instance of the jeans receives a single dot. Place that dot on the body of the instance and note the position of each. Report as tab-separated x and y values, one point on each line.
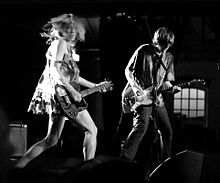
140	125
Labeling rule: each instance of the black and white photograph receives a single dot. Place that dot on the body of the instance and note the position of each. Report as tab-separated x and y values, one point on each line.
110	91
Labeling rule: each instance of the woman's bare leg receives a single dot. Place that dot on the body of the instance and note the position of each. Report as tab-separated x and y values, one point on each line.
90	139
55	127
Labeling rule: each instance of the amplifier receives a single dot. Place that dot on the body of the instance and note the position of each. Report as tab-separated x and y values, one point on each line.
18	139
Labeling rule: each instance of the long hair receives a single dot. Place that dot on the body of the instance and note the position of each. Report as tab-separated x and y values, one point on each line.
54	28
163	36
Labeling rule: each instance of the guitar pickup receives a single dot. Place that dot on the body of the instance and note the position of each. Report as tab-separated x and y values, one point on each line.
61	92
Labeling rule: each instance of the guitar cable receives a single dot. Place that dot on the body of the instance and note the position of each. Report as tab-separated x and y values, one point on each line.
117	130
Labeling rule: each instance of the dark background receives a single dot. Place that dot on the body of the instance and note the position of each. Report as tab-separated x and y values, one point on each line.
114	30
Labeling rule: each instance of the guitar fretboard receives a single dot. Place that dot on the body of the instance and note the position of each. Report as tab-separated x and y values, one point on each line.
95	89
185	84
90	91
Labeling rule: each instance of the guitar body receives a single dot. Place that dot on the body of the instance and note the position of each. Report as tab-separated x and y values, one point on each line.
126	104
69	106
130	101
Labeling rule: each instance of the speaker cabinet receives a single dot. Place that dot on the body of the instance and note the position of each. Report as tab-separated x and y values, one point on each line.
184	167
18	139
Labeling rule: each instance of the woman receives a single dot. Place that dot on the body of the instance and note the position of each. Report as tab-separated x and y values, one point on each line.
63	32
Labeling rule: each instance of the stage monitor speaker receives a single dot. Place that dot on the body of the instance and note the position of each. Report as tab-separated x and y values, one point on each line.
184	167
18	139
211	168
106	169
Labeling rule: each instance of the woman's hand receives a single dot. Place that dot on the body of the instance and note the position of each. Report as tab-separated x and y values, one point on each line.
76	96
103	89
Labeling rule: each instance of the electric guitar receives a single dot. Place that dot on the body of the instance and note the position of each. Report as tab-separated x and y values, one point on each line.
72	107
130	101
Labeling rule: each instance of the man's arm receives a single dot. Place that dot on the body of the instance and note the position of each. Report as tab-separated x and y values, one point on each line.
129	74
175	89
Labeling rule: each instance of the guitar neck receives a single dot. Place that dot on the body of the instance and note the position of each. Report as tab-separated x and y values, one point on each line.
185	84
91	90
171	88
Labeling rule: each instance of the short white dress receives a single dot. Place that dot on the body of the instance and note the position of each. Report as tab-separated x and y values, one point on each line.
43	100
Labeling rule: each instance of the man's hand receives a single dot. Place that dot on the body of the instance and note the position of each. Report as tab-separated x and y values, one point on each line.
176	89
137	91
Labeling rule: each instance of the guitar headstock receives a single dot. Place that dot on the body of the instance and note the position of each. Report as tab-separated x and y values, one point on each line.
198	82
106	86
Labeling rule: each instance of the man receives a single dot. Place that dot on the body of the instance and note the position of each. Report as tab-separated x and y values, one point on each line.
149	70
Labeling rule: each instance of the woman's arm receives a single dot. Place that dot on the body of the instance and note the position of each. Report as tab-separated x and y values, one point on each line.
86	83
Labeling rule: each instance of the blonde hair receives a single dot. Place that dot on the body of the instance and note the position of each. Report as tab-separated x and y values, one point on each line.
54	28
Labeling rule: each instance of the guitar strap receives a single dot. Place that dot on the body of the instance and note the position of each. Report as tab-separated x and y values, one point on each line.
166	69
161	62
163	65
